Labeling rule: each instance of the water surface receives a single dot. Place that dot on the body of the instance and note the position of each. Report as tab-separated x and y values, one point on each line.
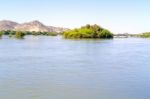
55	68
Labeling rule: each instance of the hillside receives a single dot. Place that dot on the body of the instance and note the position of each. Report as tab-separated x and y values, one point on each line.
29	26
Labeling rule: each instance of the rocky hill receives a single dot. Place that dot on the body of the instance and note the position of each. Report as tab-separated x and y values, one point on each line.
29	26
32	26
7	25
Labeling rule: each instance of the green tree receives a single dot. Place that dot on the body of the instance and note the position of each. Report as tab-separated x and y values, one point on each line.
105	34
145	35
1	34
19	35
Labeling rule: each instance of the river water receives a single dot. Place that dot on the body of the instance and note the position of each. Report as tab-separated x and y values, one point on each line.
43	67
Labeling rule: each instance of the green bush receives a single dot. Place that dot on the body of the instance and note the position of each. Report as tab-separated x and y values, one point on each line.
105	34
88	31
145	35
19	35
1	34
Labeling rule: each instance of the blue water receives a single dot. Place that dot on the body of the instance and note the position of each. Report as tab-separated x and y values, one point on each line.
43	67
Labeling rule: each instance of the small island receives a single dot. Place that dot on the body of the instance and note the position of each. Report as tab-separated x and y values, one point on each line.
88	31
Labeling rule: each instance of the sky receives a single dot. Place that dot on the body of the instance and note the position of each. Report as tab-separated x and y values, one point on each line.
119	16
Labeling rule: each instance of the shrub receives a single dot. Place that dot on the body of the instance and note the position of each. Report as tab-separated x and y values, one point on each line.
105	34
145	35
19	35
1	34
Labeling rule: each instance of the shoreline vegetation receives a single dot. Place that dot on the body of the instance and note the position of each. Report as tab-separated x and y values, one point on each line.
84	32
21	34
145	35
126	35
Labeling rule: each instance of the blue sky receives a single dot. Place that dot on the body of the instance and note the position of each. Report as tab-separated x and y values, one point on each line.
119	16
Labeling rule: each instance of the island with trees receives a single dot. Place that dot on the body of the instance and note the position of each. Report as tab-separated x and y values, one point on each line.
88	31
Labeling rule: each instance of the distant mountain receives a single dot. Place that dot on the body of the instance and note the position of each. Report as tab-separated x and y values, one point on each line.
57	29
7	25
32	26
29	26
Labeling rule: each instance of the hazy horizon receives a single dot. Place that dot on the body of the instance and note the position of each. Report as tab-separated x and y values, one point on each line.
118	16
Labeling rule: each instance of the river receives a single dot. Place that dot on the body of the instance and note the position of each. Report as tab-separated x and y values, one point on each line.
43	67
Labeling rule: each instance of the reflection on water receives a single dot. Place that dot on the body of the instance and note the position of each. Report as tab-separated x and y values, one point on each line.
54	68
